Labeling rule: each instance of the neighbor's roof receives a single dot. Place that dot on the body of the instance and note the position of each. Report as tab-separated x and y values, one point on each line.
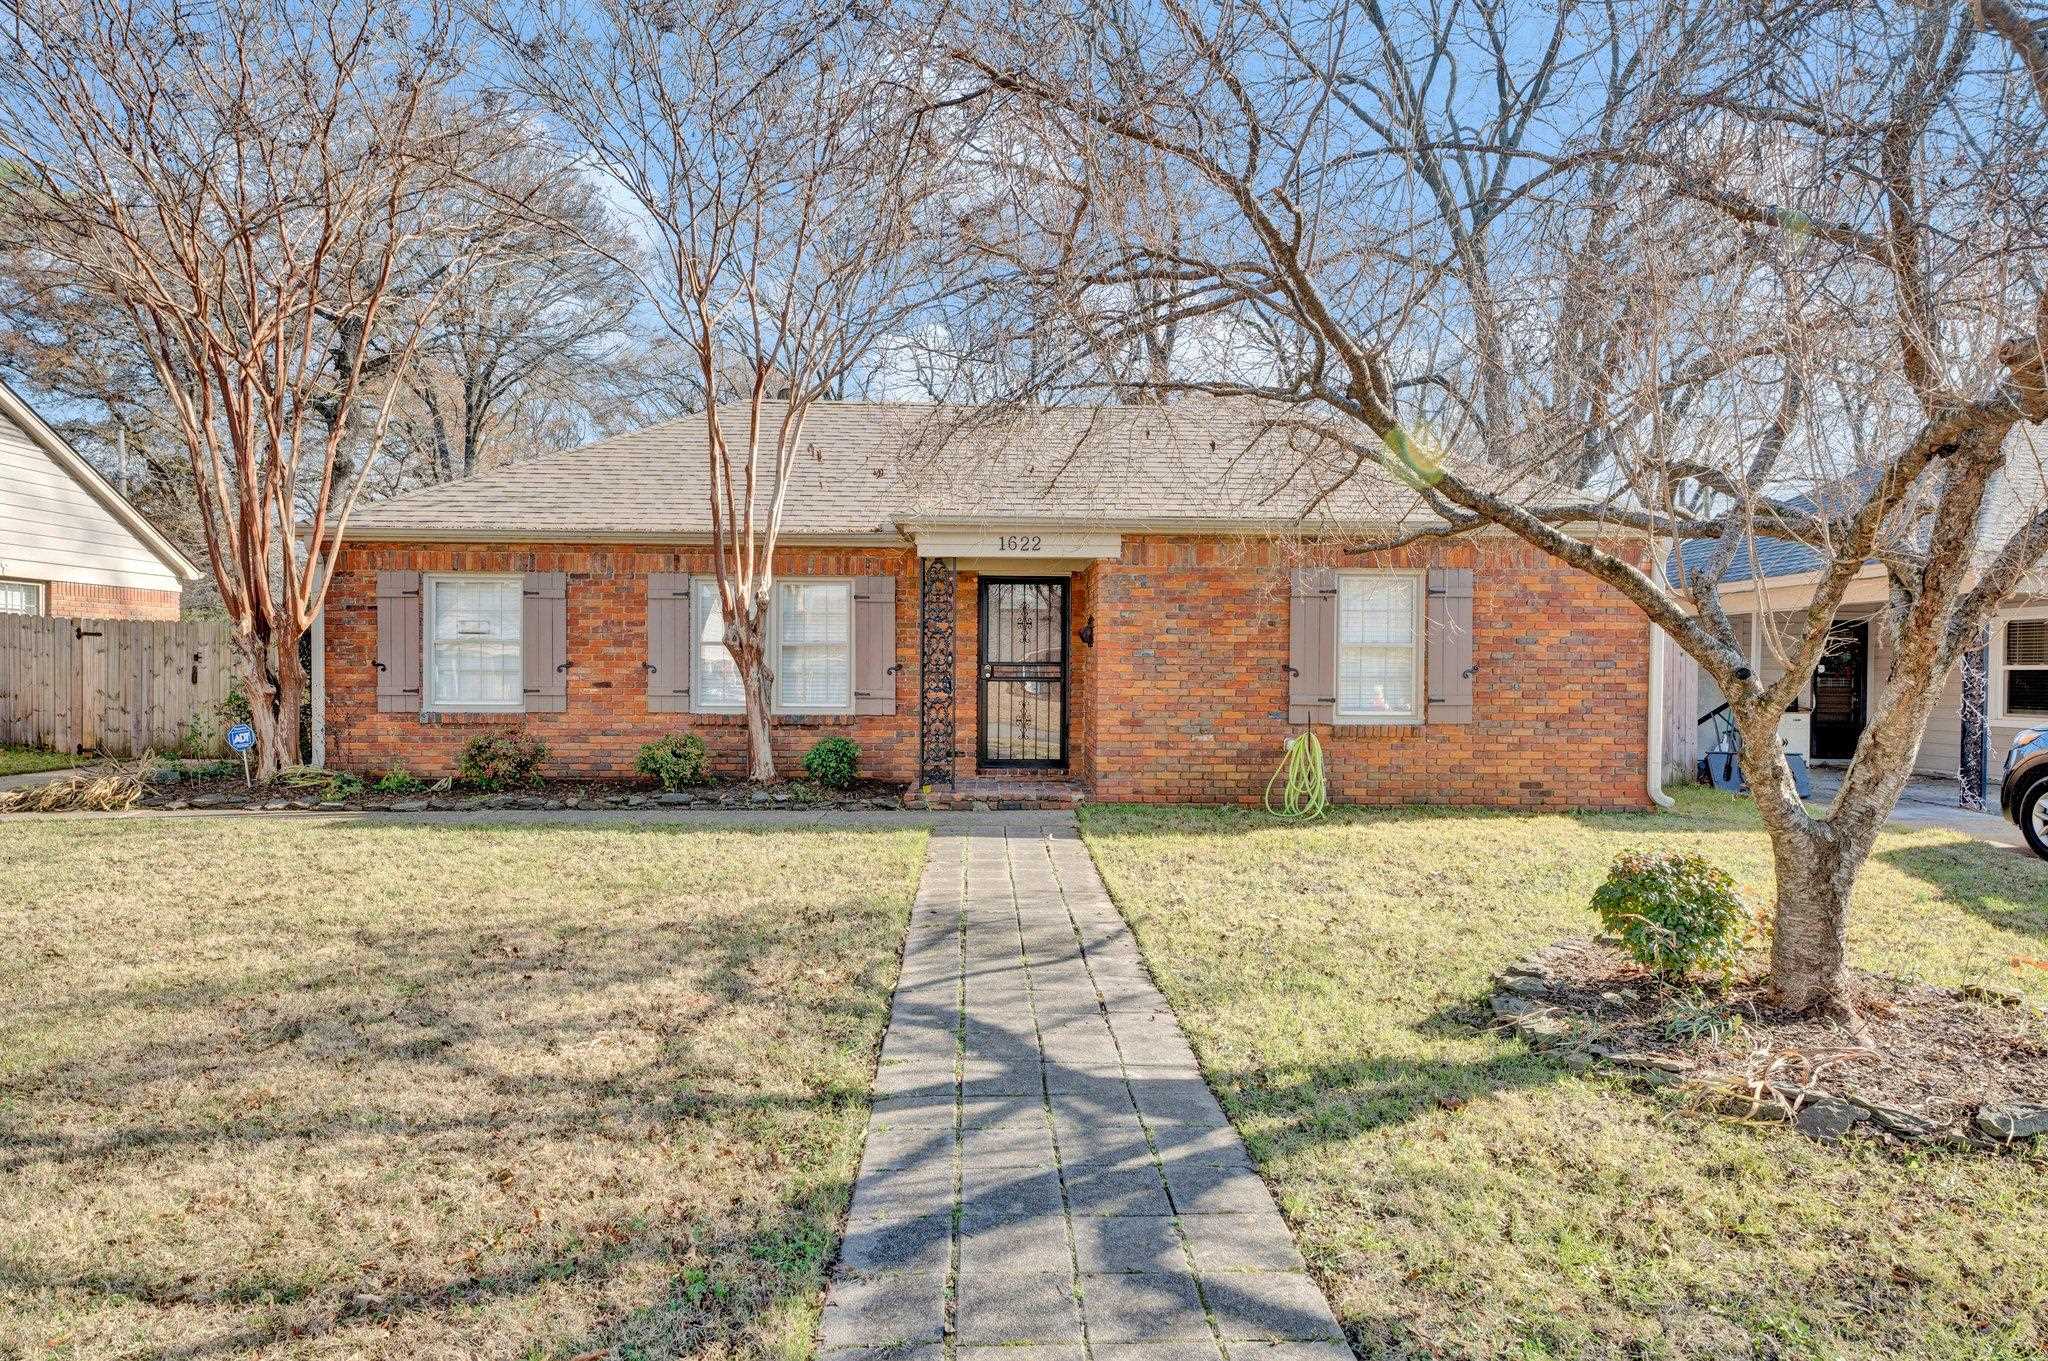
60	452
873	469
2015	495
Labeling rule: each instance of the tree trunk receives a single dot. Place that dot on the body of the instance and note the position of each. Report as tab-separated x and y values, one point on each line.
1815	864
1810	936
750	653
274	694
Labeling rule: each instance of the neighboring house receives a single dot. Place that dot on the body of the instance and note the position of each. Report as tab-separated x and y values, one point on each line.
70	544
1134	603
1774	580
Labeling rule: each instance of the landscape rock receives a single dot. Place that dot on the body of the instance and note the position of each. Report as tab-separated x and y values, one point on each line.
1508	1007
1900	1121
2003	997
673	799
1526	985
1543	1027
1827	1119
409	806
2019	1121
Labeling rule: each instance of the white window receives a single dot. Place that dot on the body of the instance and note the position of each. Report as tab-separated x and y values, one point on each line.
715	687
2023	669
21	597
814	646
1379	654
473	657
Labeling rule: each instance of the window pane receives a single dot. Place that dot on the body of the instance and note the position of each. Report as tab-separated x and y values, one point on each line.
475	642
1376	645
2026	642
2026	691
20	597
815	622
718	678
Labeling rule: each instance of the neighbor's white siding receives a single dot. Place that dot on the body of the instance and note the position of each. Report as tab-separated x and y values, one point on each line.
53	529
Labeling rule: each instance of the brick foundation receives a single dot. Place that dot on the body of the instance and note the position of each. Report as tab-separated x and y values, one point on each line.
77	600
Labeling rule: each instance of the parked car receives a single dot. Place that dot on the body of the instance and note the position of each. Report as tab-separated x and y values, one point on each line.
2023	793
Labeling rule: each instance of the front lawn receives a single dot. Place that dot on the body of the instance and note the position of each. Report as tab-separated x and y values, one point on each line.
283	1089
29	760
1459	1197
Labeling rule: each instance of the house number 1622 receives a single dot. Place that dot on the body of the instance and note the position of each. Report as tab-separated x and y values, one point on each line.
1019	543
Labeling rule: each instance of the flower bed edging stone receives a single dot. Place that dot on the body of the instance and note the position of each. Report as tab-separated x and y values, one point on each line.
1519	1003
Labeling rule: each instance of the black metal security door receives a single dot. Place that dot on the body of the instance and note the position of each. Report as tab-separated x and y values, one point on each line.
1023	673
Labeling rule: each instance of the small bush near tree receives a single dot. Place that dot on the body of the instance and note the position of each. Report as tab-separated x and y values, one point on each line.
834	762
674	761
1676	913
398	780
493	762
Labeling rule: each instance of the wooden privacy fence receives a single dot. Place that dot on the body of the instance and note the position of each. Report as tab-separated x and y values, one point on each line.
118	686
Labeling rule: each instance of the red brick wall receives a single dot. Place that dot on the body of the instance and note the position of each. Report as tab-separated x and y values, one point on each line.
601	730
1182	697
76	600
1190	690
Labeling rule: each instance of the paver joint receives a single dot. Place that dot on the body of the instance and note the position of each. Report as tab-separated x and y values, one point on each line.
1044	1164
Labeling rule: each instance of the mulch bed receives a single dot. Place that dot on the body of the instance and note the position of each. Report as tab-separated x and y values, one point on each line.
1963	1066
218	791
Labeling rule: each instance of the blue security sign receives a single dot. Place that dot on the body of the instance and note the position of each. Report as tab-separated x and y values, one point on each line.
241	737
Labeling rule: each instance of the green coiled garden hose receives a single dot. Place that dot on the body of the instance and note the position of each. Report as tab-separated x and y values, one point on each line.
1306	795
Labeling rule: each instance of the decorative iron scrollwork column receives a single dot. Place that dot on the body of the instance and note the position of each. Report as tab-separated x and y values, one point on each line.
937	620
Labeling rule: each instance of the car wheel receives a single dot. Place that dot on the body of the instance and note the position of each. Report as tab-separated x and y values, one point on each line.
2034	817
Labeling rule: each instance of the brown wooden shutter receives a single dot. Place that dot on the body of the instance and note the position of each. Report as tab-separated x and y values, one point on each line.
1312	647
1449	642
398	642
669	642
544	641
874	645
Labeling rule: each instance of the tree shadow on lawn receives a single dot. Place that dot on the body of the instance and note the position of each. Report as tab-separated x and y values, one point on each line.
1999	885
640	1048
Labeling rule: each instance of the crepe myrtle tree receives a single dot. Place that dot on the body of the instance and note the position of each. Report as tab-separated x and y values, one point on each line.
245	185
1607	277
792	173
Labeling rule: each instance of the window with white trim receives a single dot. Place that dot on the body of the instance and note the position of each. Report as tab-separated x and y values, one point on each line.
814	646
2023	678
715	686
473	642
21	597
1379	652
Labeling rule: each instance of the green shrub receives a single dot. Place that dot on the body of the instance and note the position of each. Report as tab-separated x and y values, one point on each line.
834	762
398	780
675	760
493	762
1675	912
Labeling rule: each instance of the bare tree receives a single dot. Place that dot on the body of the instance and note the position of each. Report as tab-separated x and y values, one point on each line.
530	349
243	183
790	167
1608	277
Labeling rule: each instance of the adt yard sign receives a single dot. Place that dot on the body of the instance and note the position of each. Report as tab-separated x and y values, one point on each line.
241	737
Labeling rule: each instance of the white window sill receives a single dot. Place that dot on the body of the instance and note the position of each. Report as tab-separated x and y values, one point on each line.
1377	721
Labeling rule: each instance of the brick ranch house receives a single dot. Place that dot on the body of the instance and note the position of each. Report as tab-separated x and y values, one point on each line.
1134	603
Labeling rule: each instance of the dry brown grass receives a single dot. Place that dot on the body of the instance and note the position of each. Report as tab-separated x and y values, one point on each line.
291	1090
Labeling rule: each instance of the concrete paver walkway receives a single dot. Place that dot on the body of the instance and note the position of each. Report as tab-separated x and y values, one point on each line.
1045	1164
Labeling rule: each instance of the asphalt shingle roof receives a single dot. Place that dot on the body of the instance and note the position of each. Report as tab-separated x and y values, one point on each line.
866	468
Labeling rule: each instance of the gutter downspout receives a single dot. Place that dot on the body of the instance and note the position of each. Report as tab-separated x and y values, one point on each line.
1653	742
1654	745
